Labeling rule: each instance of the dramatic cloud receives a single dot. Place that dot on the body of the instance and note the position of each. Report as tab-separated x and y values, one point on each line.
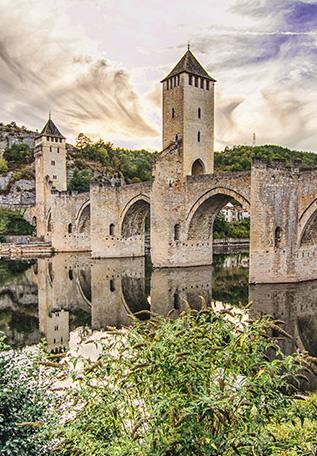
97	66
41	72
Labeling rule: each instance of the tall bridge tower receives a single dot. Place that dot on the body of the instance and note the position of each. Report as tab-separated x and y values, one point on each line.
188	114
50	172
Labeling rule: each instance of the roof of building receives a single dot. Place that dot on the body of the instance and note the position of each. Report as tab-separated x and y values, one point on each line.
189	64
50	129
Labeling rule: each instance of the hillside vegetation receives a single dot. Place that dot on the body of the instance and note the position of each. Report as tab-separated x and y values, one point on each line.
88	159
239	158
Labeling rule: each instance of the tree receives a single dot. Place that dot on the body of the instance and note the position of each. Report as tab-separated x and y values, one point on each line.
19	153
13	223
80	182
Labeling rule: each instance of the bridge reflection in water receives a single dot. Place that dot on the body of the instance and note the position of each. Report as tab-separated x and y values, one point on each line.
67	291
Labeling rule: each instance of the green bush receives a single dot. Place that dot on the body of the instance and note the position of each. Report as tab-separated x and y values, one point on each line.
24	404
4	168
198	385
19	153
13	223
80	182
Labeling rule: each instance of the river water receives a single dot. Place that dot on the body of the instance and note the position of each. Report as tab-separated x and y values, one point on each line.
53	297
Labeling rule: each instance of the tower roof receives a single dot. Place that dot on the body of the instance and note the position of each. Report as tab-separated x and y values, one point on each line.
50	129
189	64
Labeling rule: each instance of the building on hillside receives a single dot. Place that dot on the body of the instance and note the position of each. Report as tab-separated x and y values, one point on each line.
234	213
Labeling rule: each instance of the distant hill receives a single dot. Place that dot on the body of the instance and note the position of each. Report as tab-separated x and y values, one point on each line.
239	158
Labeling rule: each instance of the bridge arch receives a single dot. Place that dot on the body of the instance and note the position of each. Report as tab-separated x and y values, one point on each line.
83	219
134	215
201	215
307	226
83	282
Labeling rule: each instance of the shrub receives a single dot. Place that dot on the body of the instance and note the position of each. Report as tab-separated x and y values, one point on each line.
80	182
198	385
4	168
24	404
19	153
13	223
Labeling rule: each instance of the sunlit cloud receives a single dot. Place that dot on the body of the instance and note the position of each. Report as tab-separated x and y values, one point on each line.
97	66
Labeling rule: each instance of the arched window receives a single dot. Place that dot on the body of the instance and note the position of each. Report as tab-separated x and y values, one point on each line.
199	113
70	274
176	137
173	113
178	79
190	80
277	236
112	285
70	228
196	81
168	84
198	136
176	232
201	83
111	229
207	85
198	168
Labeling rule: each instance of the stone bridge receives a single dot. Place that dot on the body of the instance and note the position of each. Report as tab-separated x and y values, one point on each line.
177	213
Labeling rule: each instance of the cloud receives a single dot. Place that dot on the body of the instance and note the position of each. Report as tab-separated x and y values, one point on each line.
266	73
41	71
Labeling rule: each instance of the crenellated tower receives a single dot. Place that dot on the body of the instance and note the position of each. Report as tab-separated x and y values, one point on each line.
50	172
188	114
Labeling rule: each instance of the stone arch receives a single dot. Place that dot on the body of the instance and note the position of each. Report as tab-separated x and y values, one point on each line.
134	296
83	219
201	216
307	227
84	284
134	215
198	167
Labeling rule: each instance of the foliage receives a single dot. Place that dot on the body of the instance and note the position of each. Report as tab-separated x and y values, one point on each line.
133	165
223	229
24	404
198	385
24	173
19	153
13	223
4	168
10	270
80	182
239	158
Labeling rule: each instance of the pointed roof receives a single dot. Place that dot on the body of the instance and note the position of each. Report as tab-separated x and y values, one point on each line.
50	129
189	64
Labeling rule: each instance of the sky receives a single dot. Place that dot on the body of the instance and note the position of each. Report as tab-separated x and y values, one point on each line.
96	65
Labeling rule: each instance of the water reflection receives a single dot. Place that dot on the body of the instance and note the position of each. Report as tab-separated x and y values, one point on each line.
53	296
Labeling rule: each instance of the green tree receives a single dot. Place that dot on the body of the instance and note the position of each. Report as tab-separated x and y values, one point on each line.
80	182
19	153
13	223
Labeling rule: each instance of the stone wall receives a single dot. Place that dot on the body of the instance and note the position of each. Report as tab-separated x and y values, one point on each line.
109	208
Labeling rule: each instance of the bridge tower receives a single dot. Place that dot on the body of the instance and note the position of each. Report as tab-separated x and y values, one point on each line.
188	114
50	172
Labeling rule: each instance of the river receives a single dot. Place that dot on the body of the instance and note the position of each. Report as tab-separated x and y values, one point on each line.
53	297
